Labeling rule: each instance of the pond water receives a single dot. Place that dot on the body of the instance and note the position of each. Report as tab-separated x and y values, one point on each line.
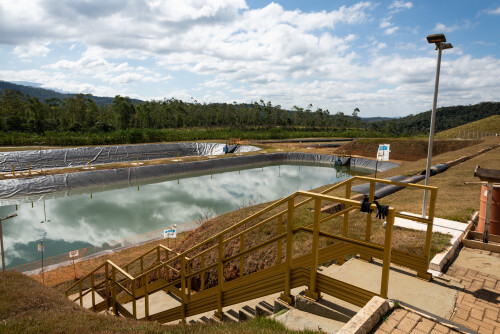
89	219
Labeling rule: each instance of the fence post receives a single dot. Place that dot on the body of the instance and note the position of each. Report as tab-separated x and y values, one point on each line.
368	231
311	292
220	277
280	242
345	227
134	304
106	273
286	296
242	258
158	261
113	273
189	263
80	291
183	290
146	296
93	290
202	265
386	266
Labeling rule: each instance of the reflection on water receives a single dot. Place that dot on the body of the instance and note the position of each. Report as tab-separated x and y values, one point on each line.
82	220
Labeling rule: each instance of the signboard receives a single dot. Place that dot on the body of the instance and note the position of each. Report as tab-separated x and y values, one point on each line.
170	233
40	247
73	253
383	152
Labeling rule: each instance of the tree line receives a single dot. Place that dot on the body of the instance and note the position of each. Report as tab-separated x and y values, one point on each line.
80	113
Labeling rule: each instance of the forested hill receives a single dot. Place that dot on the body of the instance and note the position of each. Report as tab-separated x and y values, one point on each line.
446	118
46	94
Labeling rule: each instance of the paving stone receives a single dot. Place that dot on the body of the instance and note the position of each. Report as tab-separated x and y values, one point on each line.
407	325
425	325
477	314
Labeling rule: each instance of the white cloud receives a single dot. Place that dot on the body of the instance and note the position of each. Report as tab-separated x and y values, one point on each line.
443	28
32	50
385	23
494	11
399	5
391	31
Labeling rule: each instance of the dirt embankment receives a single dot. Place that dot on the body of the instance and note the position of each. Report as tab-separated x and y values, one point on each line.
404	149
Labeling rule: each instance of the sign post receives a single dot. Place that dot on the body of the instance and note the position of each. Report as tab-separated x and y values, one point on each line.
1	237
382	155
170	233
40	249
73	255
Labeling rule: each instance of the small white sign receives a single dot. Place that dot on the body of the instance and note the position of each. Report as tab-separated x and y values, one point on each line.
73	253
170	233
40	247
383	152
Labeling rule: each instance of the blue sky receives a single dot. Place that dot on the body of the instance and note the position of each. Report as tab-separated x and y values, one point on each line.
335	55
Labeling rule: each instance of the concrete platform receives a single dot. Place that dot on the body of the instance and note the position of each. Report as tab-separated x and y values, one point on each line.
87	299
430	296
299	320
158	301
445	226
485	264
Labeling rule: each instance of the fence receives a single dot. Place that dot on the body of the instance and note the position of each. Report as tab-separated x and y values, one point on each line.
53	262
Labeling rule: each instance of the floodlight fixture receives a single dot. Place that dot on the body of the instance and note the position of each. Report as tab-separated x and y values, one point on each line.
436	38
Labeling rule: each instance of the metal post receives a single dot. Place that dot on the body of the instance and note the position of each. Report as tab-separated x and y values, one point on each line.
280	242
242	258
1	245
286	296
183	289
220	277
488	212
43	276
202	265
311	292
386	266
431	133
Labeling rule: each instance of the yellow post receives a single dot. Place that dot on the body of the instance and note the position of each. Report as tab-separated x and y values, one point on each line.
183	289
286	296
158	261
89	164
280	242
311	292
134	304
345	229
13	171
242	258
80	291
368	231
146	297
106	274
189	281
202	265
113	290
93	290
220	277
386	266
29	168
138	159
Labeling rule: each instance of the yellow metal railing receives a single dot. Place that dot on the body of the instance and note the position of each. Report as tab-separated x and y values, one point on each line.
163	269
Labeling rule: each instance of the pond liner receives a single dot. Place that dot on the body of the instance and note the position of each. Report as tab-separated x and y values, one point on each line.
14	191
80	156
436	169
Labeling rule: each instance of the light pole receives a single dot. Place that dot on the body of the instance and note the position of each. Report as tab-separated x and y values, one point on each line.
440	41
1	237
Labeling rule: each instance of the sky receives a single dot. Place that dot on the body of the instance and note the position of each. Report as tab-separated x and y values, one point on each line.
335	55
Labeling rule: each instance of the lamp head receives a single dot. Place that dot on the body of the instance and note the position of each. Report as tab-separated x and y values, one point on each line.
436	38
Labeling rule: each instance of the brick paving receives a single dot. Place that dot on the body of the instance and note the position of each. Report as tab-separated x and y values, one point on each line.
404	321
478	305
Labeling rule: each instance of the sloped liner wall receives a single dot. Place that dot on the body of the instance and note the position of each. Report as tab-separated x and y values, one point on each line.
80	156
31	189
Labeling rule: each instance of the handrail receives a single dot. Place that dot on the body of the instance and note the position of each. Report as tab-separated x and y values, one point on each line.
83	278
120	270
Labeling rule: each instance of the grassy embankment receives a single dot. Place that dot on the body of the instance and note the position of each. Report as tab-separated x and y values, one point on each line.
470	130
134	136
27	306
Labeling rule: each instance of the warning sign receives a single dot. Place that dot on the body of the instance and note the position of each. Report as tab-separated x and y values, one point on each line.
40	247
383	152
170	233
73	253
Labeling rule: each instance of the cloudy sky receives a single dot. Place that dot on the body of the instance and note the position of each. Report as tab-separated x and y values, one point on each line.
335	55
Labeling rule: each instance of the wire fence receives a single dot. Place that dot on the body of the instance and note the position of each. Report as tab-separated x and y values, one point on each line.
112	246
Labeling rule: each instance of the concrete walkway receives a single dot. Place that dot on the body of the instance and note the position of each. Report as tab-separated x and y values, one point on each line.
403	286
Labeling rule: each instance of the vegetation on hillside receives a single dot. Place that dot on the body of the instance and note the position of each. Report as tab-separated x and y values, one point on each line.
480	128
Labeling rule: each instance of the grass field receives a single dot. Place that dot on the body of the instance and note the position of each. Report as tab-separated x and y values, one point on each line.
489	125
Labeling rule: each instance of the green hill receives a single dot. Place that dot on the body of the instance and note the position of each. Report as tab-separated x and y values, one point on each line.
446	118
43	94
489	125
